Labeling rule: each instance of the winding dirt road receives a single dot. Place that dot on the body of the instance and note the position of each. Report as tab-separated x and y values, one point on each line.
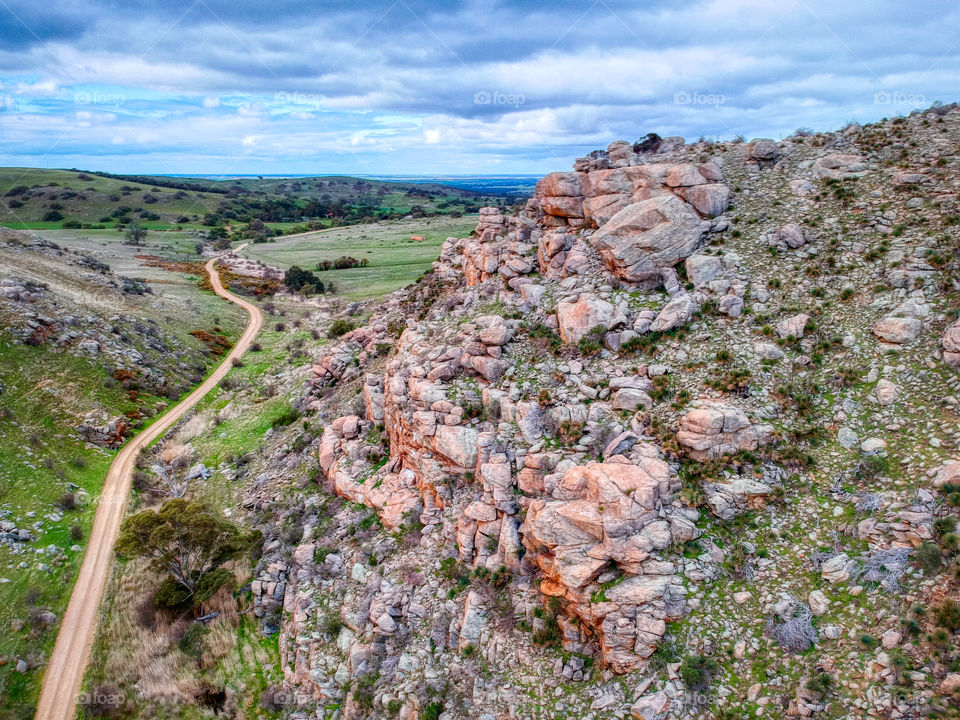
64	674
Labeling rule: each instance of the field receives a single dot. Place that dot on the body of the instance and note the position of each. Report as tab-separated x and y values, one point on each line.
395	259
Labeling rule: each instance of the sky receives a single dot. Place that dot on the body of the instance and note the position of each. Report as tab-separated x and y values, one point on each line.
449	87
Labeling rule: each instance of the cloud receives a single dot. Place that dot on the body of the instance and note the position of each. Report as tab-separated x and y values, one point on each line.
416	86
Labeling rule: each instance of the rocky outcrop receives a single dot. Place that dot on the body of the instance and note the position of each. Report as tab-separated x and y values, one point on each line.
715	429
595	536
646	237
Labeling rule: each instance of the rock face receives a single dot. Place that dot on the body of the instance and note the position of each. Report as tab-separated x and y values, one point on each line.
644	238
716	429
521	435
604	516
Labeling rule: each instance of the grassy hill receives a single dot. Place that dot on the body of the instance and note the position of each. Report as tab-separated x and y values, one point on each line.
32	198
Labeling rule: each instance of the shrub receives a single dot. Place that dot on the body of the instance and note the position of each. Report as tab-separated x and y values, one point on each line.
432	711
928	558
545	335
191	642
697	670
103	701
339	327
67	502
948	614
821	684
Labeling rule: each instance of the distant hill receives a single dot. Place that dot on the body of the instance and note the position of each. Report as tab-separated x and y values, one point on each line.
42	198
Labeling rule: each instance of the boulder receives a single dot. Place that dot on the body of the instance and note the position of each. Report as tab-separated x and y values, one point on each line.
458	444
792	235
647	236
579	318
819	604
839	166
651	707
792	326
715	429
951	345
949	474
837	569
709	200
675	313
887	392
897	330
701	269
762	150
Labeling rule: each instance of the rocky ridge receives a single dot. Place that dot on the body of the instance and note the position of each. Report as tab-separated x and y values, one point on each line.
597	389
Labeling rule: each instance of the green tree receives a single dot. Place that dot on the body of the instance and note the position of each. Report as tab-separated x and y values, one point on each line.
135	234
296	277
189	541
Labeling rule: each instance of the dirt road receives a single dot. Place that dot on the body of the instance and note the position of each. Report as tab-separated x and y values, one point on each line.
64	674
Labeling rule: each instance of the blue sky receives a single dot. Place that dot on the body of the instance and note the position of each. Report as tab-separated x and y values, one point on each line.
413	87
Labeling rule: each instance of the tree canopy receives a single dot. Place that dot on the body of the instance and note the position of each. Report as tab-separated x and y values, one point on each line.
187	540
296	277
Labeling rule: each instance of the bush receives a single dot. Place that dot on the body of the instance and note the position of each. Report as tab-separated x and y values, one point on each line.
948	614
67	502
296	277
432	711
288	417
191	642
821	684
339	327
928	558
697	670
103	701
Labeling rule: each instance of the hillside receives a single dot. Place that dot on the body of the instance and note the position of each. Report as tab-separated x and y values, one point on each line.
88	358
679	439
46	199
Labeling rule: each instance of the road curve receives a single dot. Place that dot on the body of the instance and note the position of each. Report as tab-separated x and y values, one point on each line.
64	674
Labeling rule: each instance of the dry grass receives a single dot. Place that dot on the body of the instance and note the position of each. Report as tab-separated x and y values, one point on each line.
147	659
198	425
175	453
231	411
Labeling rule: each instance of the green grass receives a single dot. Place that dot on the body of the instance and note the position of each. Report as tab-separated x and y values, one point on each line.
45	395
395	259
